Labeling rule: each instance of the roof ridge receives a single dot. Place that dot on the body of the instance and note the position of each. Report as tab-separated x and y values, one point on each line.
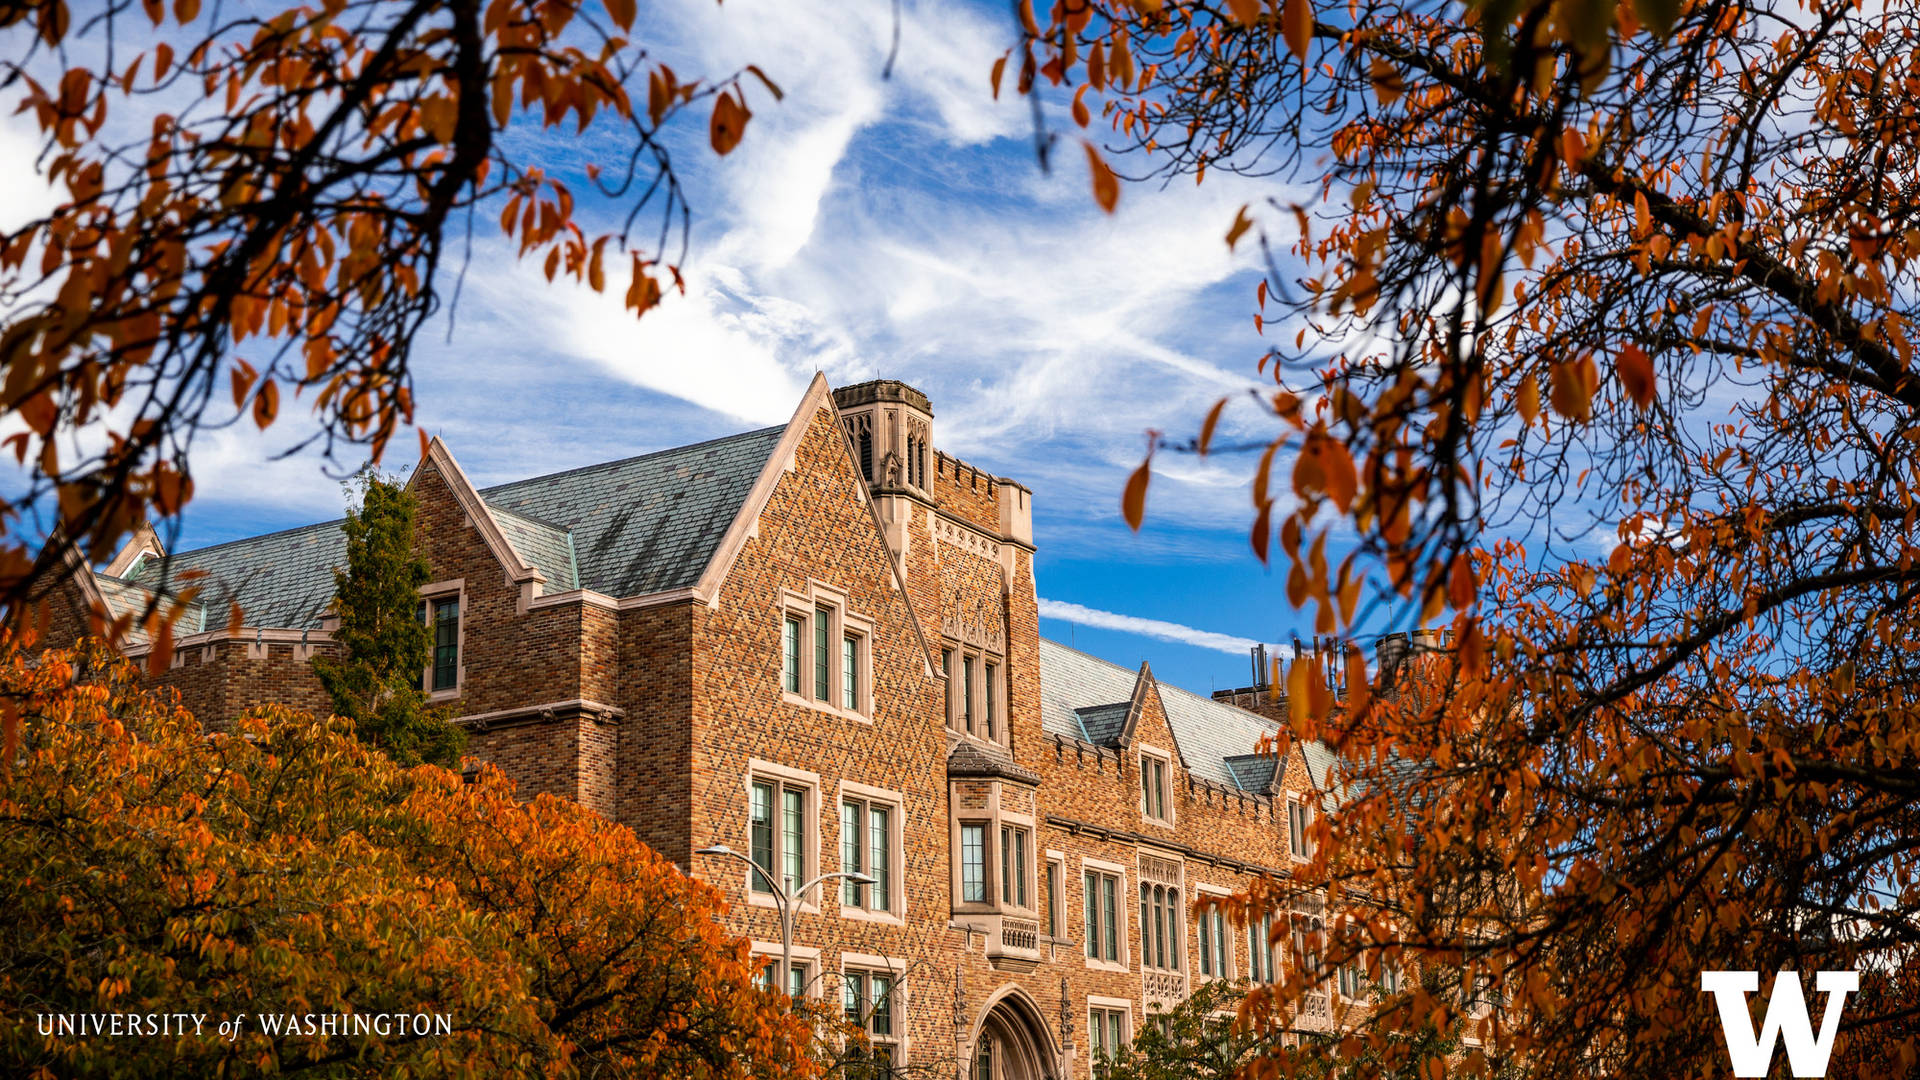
629	460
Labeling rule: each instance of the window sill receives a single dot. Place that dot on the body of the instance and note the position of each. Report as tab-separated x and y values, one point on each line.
766	900
1102	965
452	693
860	914
1156	822
788	697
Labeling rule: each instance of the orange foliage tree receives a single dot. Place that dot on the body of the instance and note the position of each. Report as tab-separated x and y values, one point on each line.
259	203
283	867
1594	337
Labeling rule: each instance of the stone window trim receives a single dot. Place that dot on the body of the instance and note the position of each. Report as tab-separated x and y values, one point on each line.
1224	946
456	590
806	957
843	623
1053	878
1299	828
895	968
976	680
1098	1007
896	914
1124	902
992	818
809	782
1149	755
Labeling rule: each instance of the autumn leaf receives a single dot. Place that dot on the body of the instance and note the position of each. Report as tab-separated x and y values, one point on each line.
1296	25
1206	427
1106	188
1133	500
266	404
1241	223
1636	374
1246	11
730	116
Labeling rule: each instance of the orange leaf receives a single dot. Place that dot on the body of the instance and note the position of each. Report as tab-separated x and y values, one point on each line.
242	376
622	12
1527	398
1262	535
160	658
1636	374
1241	223
1133	501
1081	115
1247	11
999	69
1106	189
730	116
1207	426
1359	685
1460	584
266	404
1296	25
1572	391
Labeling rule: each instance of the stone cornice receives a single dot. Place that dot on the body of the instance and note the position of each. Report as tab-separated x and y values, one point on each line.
1102	832
546	712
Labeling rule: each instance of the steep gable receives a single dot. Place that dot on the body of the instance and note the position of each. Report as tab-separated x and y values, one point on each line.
1214	740
642	525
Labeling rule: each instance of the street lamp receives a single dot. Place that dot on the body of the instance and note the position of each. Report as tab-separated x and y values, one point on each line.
785	901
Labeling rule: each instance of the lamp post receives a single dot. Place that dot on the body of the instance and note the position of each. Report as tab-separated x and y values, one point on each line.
784	901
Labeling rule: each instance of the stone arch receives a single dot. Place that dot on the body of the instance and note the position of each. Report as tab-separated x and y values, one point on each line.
1011	1037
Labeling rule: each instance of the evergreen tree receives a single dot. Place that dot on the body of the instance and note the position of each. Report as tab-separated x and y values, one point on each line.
375	680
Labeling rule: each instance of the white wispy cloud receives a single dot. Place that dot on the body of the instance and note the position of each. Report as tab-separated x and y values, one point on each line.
1153	628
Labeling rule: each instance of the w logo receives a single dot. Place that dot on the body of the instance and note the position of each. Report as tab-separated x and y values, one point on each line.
1786	1018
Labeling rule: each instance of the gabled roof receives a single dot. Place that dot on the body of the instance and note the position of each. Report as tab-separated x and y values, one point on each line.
1074	686
624	528
643	525
282	579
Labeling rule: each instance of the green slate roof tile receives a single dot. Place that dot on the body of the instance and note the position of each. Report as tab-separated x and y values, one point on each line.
282	579
646	524
547	548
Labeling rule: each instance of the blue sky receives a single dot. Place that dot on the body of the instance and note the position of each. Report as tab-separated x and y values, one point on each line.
874	227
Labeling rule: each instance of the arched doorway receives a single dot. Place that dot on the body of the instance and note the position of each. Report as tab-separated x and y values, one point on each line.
1011	1042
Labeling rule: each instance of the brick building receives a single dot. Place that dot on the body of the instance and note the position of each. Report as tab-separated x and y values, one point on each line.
817	645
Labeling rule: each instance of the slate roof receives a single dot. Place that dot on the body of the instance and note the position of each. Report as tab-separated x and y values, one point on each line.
547	548
1102	724
969	758
623	528
1254	772
646	524
282	579
1074	685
